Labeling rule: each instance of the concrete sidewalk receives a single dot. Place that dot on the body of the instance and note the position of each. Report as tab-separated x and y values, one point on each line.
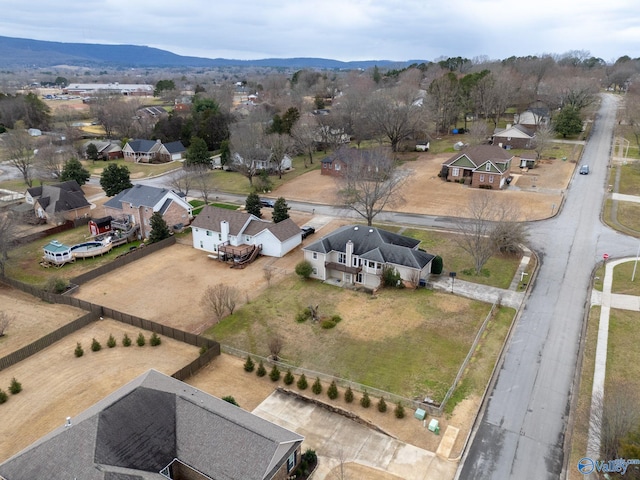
607	301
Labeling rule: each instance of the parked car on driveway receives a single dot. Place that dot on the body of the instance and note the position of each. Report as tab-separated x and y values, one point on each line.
306	231
584	170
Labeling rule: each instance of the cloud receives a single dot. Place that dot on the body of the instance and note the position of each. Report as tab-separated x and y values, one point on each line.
339	29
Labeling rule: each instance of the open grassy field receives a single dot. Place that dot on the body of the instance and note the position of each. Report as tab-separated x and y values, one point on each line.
408	342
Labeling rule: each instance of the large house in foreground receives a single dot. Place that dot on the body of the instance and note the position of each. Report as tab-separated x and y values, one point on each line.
481	166
158	428
357	255
216	228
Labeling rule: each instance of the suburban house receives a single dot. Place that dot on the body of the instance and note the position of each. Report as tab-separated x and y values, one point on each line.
136	205
357	255
514	136
533	118
153	151
265	163
156	427
337	164
480	166
225	232
107	150
58	202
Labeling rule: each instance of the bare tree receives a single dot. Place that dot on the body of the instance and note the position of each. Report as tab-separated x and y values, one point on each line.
219	299
7	236
304	140
614	416
280	146
397	114
267	274
477	229
50	160
276	343
542	140
247	148
478	132
203	182
5	321
19	148
182	180
370	183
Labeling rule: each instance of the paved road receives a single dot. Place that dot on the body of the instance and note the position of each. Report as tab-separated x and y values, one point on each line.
521	433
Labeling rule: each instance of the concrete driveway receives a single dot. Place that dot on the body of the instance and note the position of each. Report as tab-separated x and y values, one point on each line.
337	439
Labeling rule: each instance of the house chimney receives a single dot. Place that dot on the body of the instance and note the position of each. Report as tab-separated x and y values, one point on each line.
224	229
349	248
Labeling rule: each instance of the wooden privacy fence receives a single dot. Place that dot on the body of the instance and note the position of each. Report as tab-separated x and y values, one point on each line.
209	348
123	259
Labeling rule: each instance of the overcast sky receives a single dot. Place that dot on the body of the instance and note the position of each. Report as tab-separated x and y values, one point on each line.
337	29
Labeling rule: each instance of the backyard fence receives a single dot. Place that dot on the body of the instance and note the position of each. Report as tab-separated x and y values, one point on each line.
209	348
123	259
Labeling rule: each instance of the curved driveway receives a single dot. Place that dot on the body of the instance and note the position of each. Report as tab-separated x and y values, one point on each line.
521	433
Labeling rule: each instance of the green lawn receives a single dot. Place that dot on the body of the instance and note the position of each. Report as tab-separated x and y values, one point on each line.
622	275
408	342
497	272
24	261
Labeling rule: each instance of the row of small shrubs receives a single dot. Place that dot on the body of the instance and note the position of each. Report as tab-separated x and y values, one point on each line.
15	388
141	341
316	387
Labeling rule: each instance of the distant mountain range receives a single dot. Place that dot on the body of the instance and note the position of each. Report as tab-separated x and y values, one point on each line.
25	53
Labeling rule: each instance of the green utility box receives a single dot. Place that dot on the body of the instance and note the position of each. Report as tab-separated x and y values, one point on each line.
434	426
420	414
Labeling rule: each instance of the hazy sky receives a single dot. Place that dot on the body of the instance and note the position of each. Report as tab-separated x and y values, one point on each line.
337	29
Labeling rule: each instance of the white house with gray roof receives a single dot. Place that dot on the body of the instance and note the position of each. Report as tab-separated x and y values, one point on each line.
357	255
157	428
214	227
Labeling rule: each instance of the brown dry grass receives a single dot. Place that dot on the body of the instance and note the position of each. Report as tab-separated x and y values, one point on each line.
56	384
535	192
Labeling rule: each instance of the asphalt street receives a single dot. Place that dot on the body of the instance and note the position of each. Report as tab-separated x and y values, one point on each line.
521	433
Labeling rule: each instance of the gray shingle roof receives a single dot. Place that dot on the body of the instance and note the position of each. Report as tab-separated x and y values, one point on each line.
175	147
59	197
142	146
138	196
479	154
141	428
373	243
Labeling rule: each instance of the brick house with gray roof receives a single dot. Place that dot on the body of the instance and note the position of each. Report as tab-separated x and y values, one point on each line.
152	151
157	428
214	227
357	255
480	166
136	205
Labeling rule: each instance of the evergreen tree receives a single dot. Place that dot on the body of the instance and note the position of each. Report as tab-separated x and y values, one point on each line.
73	170
78	352
365	401
111	342
249	365
302	382
252	205
332	391
15	387
274	374
95	345
348	395
288	378
198	153
261	371
280	210
126	340
225	153
568	122
317	386
115	179
159	228
92	152
141	340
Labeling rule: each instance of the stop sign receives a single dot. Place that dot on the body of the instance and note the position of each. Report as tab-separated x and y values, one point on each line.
605	256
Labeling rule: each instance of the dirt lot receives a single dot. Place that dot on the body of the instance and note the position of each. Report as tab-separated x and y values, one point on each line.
535	192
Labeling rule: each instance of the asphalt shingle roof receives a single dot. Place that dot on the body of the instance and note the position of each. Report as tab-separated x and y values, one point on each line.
141	428
375	244
138	196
